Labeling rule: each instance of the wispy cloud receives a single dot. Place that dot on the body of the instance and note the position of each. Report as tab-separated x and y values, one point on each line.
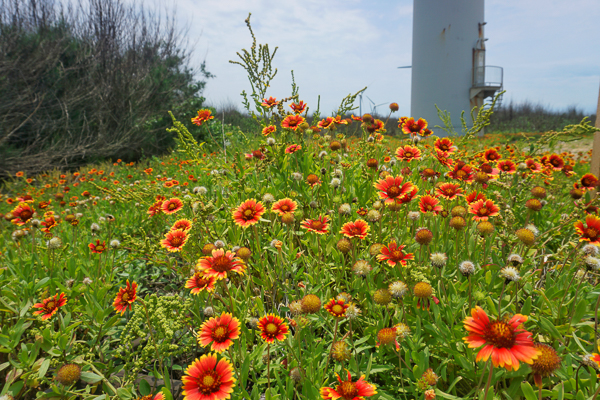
337	47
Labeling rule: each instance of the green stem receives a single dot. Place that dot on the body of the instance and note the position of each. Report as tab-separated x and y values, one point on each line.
489	381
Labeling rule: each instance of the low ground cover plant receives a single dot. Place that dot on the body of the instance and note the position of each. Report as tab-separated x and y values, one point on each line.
305	264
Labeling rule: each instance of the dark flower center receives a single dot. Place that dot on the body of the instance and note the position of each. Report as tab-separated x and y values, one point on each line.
317	225
51	304
393	191
25	215
347	390
221	264
172	206
176	241
125	296
220	333
397	255
592	233
248	213
209	382
500	334
483	211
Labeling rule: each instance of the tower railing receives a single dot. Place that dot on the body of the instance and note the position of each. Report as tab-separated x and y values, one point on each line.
488	76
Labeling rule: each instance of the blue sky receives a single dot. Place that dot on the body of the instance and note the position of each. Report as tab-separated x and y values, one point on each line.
550	50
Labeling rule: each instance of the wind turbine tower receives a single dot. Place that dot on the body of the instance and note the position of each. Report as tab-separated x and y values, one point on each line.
448	61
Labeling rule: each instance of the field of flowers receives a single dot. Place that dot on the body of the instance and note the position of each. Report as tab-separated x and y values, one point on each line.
308	264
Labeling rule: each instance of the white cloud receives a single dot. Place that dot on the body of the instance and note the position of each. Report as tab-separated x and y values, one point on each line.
335	47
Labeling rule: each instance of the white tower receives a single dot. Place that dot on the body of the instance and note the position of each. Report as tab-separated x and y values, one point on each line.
448	61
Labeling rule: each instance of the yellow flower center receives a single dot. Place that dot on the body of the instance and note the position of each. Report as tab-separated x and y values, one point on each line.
209	383
125	296
337	309
248	213
317	225
219	334
51	304
271	328
483	211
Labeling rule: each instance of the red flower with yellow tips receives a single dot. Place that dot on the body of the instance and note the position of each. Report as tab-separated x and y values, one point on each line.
171	206
462	172
391	188
327	123
182	224
533	166
483	209
267	130
291	149
270	102
125	297
348	390
408	153
220	263
407	197
98	248
199	282
207	379
22	213
292	121
284	206
248	213
491	155
507	166
337	307
48	307
272	327
449	191
588	181
444	158
394	254
220	331
445	145
319	225
203	116
428	203
590	232
174	240
298	108
358	228
503	340
556	162
412	127
474	196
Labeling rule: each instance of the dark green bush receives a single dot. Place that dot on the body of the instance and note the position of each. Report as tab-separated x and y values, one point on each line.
88	81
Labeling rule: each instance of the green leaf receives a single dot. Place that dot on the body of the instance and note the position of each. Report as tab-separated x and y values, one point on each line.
579	311
44	368
528	391
443	395
526	310
550	328
90	377
580	396
561	391
145	388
